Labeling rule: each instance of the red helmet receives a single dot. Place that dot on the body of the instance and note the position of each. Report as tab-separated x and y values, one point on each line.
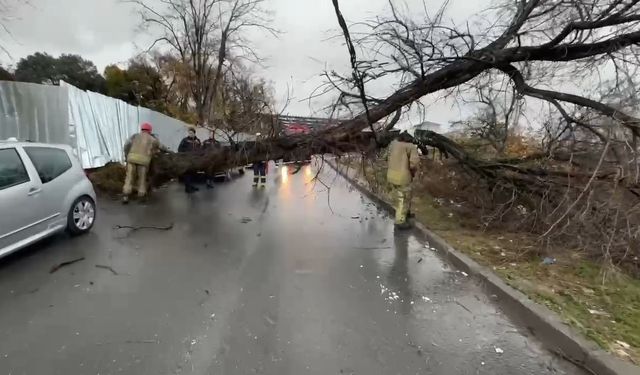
146	127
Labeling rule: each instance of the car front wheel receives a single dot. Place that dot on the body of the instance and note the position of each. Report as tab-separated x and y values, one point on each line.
81	216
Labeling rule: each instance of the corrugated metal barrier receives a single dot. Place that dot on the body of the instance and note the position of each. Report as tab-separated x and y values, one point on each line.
96	126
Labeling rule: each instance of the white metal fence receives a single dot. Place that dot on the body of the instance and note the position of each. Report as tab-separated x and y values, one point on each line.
96	126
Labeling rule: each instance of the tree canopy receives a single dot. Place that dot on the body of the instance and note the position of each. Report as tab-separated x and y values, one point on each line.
139	84
46	69
6	75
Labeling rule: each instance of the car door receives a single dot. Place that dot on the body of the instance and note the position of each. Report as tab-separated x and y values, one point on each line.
20	199
53	167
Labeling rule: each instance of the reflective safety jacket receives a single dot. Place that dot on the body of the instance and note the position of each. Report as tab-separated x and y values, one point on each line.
403	160
141	147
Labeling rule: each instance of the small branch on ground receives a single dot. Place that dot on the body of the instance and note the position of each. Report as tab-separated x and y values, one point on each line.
64	264
109	268
136	228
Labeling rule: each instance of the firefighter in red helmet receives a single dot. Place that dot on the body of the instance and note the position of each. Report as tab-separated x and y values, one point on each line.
139	150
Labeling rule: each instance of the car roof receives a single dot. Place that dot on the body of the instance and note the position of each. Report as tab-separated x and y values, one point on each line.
9	144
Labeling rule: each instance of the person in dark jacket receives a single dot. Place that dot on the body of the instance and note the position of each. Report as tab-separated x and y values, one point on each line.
190	143
210	144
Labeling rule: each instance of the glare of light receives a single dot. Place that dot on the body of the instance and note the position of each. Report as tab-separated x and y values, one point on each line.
307	171
285	174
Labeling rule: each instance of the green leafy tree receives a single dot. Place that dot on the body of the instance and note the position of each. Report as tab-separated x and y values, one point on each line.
6	75
117	84
140	84
46	69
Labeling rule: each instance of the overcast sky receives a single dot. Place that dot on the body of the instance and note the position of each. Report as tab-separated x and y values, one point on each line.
104	31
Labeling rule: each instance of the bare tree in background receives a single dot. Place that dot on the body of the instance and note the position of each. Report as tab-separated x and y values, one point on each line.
205	34
498	113
244	105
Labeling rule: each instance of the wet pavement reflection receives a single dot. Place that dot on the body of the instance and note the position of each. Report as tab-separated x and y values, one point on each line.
300	277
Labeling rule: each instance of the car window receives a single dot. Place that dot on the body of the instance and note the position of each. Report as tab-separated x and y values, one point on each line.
12	171
49	162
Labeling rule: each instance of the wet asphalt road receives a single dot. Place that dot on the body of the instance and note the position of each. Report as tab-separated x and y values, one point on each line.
283	280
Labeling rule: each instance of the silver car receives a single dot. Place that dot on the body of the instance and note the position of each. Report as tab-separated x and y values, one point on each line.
43	190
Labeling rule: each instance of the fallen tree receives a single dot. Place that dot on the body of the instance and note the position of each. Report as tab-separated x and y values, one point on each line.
453	58
533	44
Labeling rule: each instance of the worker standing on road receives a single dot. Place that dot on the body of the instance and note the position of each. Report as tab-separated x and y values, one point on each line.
403	161
260	173
259	170
190	143
139	150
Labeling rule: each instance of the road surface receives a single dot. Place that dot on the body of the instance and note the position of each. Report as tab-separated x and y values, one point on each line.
289	279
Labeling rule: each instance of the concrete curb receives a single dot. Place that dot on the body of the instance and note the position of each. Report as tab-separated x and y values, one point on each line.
543	323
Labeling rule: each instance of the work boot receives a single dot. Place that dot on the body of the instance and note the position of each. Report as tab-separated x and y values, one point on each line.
125	199
402	226
210	184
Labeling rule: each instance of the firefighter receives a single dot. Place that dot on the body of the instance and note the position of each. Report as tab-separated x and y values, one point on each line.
403	161
259	171
139	150
190	143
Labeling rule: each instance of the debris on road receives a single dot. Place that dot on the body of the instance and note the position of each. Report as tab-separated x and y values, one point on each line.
133	228
108	268
136	228
428	246
246	220
498	350
64	264
270	321
420	260
142	342
463	306
355	217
